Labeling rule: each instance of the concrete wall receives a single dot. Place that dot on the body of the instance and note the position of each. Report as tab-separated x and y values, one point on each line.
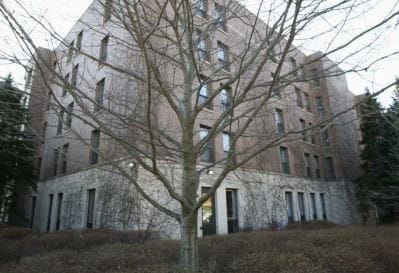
261	201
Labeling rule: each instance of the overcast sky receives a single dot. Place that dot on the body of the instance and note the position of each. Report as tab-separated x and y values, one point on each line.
62	14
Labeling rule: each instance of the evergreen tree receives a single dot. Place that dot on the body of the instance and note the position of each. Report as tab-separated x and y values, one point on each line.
16	150
373	152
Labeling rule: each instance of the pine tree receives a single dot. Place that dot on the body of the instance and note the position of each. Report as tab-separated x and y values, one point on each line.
16	150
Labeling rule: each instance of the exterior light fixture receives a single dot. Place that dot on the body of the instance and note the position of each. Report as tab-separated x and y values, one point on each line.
130	165
210	172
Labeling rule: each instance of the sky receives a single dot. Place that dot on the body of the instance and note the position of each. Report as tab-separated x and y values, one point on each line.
62	14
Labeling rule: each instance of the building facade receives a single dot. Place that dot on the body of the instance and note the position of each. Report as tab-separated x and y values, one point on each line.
305	177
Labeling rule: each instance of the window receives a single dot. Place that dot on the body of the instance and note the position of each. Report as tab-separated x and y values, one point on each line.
307	102
107	10
320	107
65	87
201	7
225	99
294	68
74	79
56	154
301	204
207	155
323	206
79	40
91	195
299	101
99	95
315	78
59	211
316	166
44	129
290	209
330	168
64	156
220	16
94	145
312	134
69	115
202	46
313	203
276	90
307	165
226	144
326	136
104	50
204	93
60	120
223	56
50	212
285	164
232	210
303	128
70	51
279	120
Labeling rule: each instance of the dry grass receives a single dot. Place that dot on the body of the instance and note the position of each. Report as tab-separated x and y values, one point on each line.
302	249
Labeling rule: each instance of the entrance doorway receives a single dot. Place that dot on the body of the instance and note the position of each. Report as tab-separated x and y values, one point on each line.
232	210
208	214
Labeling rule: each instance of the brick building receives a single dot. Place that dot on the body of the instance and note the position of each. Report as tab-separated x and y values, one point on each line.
306	176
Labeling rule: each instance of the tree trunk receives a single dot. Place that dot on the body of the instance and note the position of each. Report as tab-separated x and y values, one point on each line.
189	242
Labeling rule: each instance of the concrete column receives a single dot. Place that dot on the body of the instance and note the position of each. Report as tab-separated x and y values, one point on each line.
221	211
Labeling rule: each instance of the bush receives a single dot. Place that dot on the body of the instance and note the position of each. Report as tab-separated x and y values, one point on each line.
327	250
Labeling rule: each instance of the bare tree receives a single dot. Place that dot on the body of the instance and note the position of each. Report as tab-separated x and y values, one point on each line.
163	83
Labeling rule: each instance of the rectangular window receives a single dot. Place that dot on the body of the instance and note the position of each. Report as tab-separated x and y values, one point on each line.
99	95
313	203
204	93
285	163
104	50
56	155
326	136
294	68
107	10
279	120
225	99
50	212
301	204
74	79
201	8
330	168
276	88
299	101
312	134
315	78
94	145
223	56
308	105
208	154
65	87
323	206
220	16
64	157
303	128
70	51
307	165
226	144
91	195
69	115
290	209
320	106
232	210
59	211
79	40
316	166
202	46
60	121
